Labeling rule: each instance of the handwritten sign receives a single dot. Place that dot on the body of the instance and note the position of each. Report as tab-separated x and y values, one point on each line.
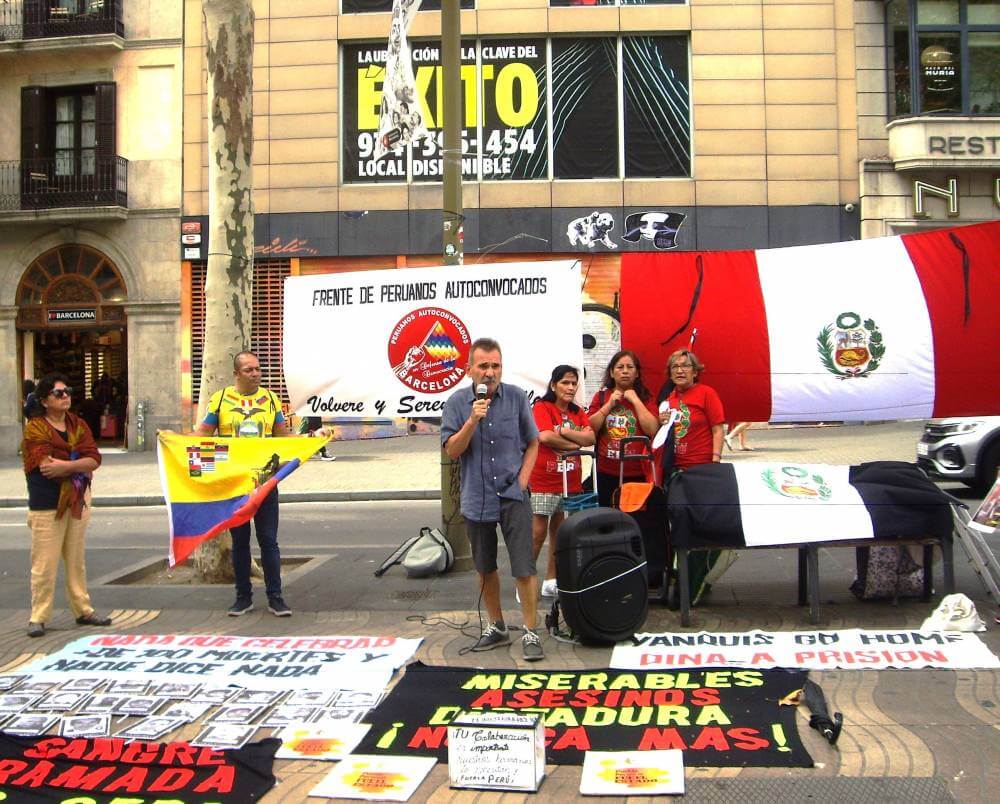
493	751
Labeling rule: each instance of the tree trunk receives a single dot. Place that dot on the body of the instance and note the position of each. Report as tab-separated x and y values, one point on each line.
229	279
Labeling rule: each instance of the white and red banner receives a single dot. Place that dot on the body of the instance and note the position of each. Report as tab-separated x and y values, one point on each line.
889	328
396	342
257	663
850	649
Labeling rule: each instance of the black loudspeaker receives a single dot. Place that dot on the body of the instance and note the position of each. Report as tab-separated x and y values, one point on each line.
601	576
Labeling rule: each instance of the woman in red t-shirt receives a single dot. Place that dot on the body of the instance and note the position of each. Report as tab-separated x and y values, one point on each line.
621	409
562	427
701	422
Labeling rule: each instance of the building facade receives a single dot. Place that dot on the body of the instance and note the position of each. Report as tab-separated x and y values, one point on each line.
589	129
928	113
90	195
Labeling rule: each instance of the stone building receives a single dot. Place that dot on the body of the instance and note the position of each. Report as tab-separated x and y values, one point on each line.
90	192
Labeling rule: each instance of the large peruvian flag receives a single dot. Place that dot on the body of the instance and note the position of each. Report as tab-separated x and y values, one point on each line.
891	328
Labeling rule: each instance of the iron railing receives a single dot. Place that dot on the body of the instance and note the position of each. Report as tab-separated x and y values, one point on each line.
93	181
43	19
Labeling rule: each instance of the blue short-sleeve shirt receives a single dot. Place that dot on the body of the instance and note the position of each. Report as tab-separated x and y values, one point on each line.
492	461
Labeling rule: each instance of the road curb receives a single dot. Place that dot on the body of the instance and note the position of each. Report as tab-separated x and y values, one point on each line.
142	500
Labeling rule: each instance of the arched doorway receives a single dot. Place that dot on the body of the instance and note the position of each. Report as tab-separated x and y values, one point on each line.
71	320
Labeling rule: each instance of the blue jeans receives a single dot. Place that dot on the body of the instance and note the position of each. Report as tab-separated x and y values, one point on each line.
266	526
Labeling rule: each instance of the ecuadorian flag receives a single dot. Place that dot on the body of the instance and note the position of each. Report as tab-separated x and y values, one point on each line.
212	484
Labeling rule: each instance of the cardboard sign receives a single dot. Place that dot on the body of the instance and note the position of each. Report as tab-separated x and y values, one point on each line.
496	751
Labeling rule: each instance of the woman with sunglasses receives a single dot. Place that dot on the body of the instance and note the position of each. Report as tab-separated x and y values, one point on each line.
621	409
60	456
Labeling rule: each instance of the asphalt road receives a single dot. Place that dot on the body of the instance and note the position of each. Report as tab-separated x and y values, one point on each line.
336	548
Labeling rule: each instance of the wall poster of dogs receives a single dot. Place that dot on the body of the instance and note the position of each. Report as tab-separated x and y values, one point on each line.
658	229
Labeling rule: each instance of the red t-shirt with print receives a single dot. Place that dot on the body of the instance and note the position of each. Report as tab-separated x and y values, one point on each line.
546	477
700	410
621	422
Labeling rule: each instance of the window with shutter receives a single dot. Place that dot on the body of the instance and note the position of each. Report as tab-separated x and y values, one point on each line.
266	330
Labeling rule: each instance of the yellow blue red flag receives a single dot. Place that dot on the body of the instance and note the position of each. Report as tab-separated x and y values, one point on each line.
211	483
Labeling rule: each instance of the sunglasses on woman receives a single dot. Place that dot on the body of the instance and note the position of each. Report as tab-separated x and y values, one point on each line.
59	393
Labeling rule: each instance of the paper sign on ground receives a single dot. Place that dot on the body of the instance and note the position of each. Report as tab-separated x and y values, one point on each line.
633	773
329	741
381	778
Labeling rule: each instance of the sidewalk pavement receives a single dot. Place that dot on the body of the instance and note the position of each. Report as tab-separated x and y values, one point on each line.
409	467
909	735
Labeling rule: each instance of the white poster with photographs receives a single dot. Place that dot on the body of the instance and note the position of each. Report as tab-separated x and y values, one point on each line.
987	516
401	119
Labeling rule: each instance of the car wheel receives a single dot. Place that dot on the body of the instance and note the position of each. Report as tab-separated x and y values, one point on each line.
986	468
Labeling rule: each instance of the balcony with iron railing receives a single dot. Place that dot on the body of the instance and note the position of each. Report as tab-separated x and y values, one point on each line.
64	188
23	21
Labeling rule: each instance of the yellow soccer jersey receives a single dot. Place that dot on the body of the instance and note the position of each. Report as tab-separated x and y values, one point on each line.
251	416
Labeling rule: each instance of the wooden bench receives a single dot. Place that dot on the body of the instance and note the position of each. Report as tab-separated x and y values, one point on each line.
809	568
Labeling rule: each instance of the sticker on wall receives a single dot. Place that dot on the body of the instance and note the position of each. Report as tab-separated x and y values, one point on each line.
660	227
592	229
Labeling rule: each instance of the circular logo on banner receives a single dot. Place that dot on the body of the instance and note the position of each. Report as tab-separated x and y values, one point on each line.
429	350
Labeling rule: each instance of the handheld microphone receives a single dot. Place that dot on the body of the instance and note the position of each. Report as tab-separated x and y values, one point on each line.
481	391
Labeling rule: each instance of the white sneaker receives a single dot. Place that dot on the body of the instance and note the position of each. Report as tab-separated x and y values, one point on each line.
549	588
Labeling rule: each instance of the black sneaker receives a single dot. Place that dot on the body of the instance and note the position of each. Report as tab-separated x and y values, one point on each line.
93	619
492	637
277	607
240	607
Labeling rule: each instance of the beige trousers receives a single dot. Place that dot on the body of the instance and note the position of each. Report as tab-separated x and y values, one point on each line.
50	539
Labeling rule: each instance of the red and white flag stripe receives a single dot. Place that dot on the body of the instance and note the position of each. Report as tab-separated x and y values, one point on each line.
888	328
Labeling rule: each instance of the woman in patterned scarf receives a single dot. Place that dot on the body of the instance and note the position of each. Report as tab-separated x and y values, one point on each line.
59	457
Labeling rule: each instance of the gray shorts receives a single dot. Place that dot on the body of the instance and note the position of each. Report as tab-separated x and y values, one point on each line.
515	525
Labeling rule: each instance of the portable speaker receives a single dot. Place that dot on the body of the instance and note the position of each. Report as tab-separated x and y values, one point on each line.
600	571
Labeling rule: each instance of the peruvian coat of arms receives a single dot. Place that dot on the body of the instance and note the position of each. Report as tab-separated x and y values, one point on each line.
850	347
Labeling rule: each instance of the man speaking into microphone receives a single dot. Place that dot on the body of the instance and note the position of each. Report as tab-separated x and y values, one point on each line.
488	426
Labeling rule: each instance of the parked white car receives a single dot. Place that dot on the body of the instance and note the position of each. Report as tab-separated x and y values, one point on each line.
962	449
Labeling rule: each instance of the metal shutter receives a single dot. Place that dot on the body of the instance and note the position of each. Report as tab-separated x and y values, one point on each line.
266	311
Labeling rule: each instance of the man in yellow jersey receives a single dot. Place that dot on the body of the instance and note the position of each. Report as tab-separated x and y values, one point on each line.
246	410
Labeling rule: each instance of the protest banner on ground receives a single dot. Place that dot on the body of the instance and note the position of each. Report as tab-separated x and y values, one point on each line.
400	340
854	648
718	718
331	662
110	769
